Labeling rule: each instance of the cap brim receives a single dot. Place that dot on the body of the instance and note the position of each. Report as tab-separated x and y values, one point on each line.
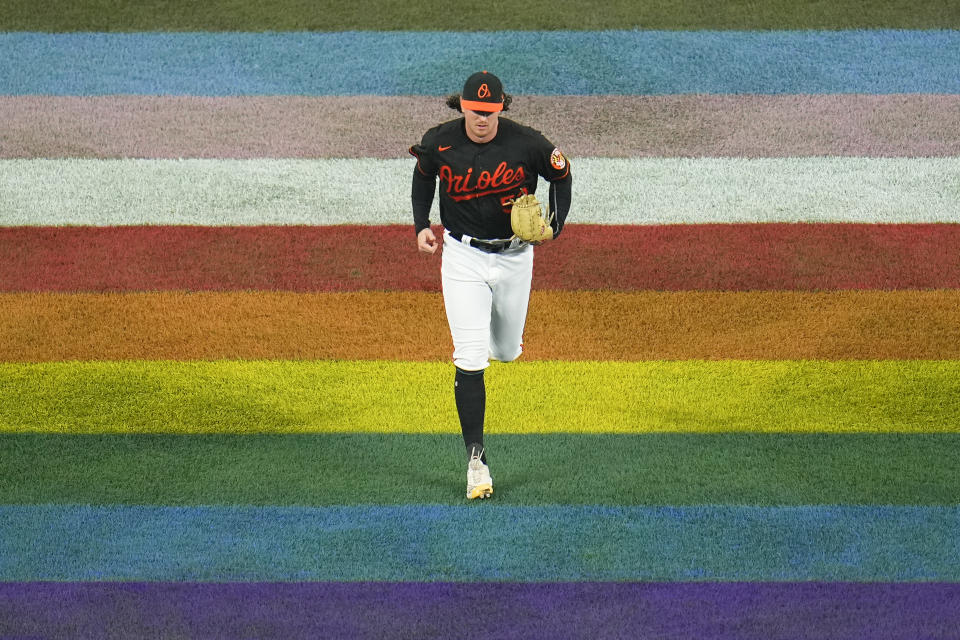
476	105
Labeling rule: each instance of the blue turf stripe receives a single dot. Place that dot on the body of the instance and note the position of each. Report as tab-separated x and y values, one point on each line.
434	63
479	543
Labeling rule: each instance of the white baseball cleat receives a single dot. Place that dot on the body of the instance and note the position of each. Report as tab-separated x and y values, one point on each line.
479	482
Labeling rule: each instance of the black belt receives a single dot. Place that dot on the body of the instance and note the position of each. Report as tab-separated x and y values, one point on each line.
484	245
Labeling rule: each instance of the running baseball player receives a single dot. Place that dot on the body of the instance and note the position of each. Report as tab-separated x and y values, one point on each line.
488	168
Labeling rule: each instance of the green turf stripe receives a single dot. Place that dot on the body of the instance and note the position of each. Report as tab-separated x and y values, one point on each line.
611	469
372	191
281	15
524	397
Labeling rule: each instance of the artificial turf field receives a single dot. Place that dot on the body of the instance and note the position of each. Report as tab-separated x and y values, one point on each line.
226	401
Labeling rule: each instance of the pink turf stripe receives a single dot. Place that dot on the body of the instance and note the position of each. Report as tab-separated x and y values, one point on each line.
911	125
729	257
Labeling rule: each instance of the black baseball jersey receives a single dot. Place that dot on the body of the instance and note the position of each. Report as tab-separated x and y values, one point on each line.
478	180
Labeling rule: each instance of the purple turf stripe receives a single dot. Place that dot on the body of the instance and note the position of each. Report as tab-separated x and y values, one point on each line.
483	610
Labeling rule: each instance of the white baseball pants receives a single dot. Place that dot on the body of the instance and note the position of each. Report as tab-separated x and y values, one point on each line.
486	297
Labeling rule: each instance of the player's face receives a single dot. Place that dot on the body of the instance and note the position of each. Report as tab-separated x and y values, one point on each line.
481	125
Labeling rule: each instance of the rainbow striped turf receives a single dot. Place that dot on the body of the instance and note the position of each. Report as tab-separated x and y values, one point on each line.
225	396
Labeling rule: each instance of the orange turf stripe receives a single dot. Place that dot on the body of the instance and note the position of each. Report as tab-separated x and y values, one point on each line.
585	325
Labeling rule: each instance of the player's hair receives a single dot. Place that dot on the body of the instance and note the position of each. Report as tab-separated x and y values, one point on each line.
453	101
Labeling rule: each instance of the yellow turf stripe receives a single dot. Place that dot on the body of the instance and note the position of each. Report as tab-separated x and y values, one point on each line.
532	397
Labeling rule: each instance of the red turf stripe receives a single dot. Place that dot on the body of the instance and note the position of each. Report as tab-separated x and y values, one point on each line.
731	257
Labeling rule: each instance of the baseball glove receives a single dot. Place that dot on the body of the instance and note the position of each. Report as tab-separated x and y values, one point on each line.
528	221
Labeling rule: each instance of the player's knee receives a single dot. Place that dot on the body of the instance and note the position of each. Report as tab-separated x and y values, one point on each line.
504	355
471	361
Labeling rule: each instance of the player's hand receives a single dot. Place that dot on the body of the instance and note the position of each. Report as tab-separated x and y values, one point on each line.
426	241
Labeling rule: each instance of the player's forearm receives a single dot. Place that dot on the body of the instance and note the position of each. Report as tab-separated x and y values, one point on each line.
561	195
421	197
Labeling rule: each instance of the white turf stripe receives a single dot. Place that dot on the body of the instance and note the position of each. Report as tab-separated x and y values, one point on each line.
370	191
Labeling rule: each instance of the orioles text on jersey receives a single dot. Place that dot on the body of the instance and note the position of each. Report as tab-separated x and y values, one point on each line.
465	187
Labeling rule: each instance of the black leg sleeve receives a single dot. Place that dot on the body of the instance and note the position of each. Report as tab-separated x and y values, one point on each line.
470	394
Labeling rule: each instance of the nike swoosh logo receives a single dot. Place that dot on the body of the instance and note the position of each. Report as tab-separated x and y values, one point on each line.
442	148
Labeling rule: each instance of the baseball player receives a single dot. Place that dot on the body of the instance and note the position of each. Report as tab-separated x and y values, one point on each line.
485	163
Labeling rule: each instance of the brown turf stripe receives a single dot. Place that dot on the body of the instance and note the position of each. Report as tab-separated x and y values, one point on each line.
585	325
366	126
707	257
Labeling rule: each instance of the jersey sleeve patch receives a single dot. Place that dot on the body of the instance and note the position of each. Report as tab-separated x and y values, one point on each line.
557	161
